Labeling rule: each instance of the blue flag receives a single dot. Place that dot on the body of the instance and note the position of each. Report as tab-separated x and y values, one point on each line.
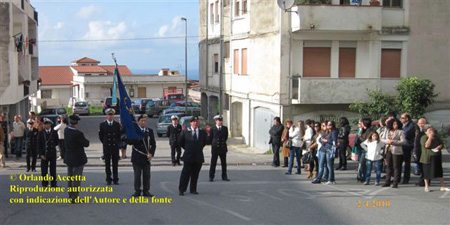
114	91
126	112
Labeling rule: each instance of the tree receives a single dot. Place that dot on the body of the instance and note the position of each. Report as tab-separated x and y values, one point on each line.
380	104
414	95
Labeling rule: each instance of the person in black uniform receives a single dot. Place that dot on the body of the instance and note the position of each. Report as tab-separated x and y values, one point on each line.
218	139
275	139
109	134
47	142
4	126
192	140
141	157
74	156
173	132
31	134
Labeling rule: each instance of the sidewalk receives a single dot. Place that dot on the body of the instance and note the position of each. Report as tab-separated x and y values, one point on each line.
238	154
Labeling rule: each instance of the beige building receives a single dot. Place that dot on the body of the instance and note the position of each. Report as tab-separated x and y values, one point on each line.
19	62
310	61
87	80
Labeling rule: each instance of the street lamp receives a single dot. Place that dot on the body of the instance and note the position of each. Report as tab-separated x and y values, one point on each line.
185	66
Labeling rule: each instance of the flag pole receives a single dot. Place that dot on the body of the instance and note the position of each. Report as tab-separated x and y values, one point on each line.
114	91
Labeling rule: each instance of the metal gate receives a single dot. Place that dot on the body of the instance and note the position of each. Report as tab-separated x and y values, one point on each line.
262	124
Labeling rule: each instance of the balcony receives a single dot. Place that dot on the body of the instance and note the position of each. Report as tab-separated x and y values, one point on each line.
336	90
336	18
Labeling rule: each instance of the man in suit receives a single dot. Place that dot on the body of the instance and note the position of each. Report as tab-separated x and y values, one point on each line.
410	133
173	132
141	157
74	155
47	142
218	139
109	134
192	140
275	139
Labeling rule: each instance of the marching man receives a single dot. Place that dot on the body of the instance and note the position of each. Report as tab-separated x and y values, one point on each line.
218	137
141	157
47	142
109	134
173	132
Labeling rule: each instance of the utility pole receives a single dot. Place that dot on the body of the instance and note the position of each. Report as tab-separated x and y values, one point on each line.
221	60
185	67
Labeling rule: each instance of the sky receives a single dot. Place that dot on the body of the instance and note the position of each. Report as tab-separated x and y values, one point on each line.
67	28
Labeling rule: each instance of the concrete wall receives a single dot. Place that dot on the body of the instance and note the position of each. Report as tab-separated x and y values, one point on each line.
14	67
429	53
429	44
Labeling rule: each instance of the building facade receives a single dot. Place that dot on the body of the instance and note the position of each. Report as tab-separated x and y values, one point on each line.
310	61
87	80
19	62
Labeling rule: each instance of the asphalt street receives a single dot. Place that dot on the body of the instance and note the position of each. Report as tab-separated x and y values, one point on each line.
257	194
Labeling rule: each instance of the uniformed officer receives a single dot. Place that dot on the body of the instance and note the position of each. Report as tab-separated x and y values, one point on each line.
31	134
75	156
192	140
141	157
218	138
47	142
109	134
173	132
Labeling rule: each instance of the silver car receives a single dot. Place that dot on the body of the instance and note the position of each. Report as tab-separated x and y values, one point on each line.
81	108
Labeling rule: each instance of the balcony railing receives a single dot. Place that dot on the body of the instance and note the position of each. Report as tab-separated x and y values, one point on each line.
336	90
327	17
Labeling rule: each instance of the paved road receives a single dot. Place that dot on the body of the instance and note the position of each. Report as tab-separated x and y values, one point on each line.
256	195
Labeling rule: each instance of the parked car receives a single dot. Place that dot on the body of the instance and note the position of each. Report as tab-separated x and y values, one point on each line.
193	108
140	104
157	108
52	113
107	103
81	108
164	121
185	122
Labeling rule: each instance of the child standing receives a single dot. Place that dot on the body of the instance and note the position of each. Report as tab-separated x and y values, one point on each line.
374	156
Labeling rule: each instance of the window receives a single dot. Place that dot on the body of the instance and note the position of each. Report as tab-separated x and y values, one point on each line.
237	7
316	61
211	14
216	63
61	111
217	12
236	62
347	62
46	94
244	61
226	102
244	6
390	63
86	95
392	3
226	51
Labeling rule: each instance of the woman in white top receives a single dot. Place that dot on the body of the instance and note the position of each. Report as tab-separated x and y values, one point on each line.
295	136
60	129
374	155
309	133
